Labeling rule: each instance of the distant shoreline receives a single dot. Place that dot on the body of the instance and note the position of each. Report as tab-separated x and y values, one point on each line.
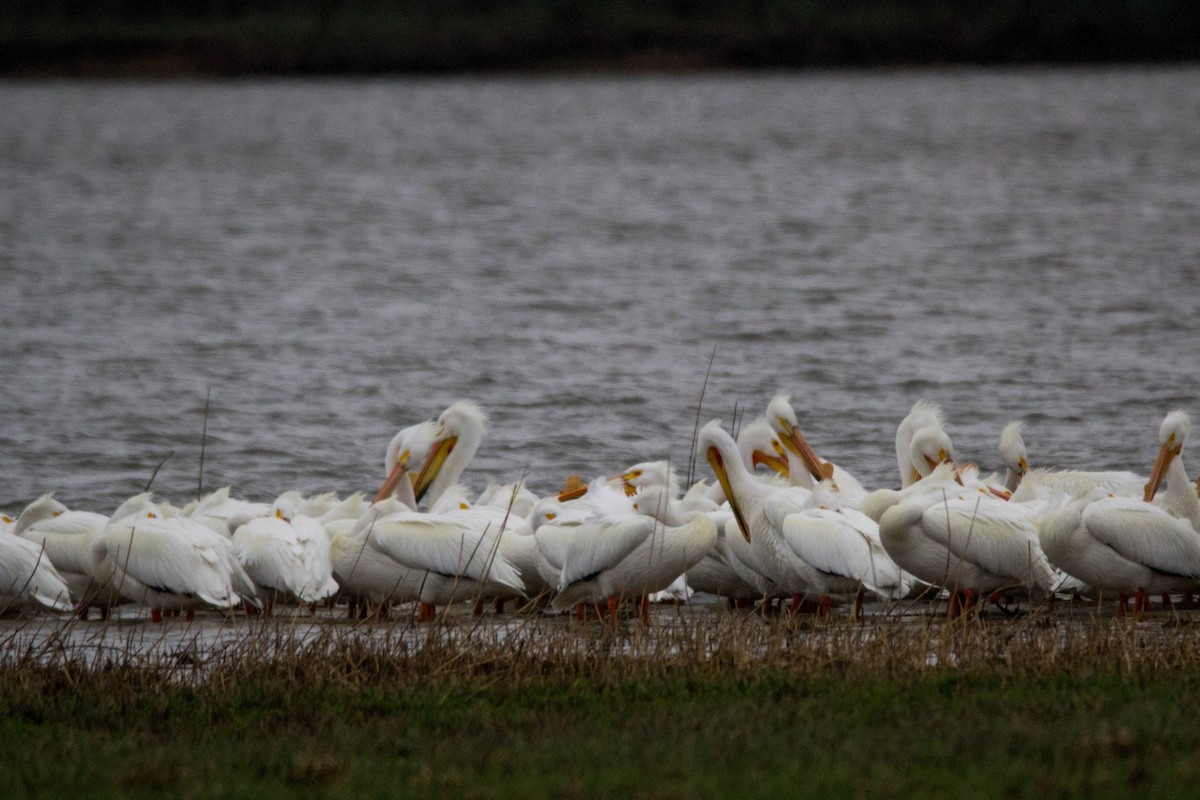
124	39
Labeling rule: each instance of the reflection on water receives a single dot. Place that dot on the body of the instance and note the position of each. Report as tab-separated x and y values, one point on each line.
337	259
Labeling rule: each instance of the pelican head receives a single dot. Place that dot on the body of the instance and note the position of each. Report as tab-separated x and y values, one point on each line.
647	474
460	430
45	507
398	461
1171	435
930	447
758	444
1012	448
782	418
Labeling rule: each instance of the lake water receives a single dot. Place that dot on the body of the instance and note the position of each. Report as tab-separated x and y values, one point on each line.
336	259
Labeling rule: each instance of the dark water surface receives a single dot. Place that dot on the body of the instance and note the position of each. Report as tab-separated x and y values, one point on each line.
337	259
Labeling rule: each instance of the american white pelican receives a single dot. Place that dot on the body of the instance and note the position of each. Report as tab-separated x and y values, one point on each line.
66	536
26	575
1180	497
215	509
964	539
842	546
747	496
1128	545
459	561
460	430
1027	484
632	555
287	557
368	576
923	415
168	563
406	446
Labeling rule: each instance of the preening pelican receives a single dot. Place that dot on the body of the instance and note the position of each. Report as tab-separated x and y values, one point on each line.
168	563
460	430
1027	484
26	575
964	539
407	445
287	557
922	416
1128	545
66	537
632	554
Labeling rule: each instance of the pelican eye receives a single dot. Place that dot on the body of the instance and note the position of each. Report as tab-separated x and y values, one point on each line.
463	506
551	515
56	513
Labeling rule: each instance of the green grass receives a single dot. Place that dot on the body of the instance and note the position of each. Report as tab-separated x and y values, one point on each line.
770	736
735	706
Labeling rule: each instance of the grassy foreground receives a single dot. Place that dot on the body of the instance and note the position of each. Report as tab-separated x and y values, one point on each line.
1028	710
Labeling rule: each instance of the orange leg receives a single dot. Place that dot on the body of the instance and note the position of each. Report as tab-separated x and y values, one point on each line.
425	612
858	603
156	615
1122	602
82	611
645	602
498	604
825	606
190	615
1139	599
581	612
478	608
970	601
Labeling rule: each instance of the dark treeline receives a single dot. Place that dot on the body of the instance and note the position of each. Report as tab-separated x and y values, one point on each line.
246	37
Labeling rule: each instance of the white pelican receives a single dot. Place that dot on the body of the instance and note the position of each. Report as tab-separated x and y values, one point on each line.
843	547
66	536
459	561
632	555
460	430
1128	545
367	575
26	575
407	443
923	415
782	418
964	539
1040	484
287	557
168	563
748	497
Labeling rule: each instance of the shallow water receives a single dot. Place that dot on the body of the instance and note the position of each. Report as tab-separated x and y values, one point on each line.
336	259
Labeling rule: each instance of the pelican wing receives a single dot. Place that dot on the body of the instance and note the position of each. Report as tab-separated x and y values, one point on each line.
175	556
437	544
828	543
601	545
990	534
25	571
1145	534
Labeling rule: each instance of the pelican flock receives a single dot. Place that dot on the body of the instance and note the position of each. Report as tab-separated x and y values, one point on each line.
778	528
